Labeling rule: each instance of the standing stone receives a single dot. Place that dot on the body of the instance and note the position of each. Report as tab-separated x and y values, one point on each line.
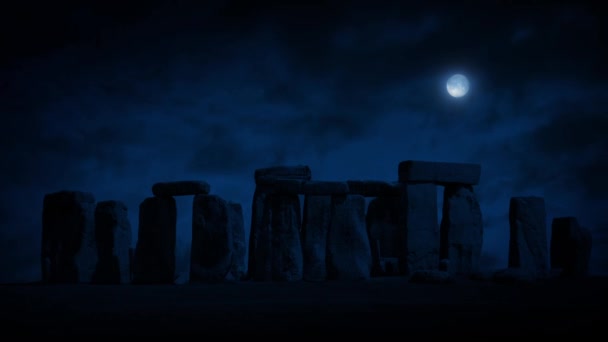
386	238
211	251
218	240
237	228
113	239
260	238
282	216
461	229
315	227
155	249
260	246
570	247
348	249
419	219
528	249
68	237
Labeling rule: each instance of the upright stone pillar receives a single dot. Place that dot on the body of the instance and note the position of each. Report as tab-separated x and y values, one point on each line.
284	221
421	229
528	249
386	237
348	249
274	243
461	229
218	240
315	227
260	247
239	242
570	247
113	239
68	237
155	249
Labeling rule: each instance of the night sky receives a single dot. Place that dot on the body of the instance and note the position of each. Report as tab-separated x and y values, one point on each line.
113	98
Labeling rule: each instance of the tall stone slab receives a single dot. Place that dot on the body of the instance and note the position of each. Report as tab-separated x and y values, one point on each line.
283	219
218	240
348	249
386	237
570	248
113	239
270	181
260	243
461	229
212	239
238	268
68	237
315	227
154	261
418	216
528	245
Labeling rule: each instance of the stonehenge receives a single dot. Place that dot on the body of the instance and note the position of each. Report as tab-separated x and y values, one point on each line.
305	230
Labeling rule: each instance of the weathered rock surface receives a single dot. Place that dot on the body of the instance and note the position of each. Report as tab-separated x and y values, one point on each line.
418	214
113	239
260	246
371	188
238	269
315	227
212	239
528	235
181	188
284	218
275	252
321	188
68	237
301	187
570	248
280	186
154	260
439	172
348	251
431	277
300	172
386	238
461	229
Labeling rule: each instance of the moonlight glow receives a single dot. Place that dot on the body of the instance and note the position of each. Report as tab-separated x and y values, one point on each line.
458	85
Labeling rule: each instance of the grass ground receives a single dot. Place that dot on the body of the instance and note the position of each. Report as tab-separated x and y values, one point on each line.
391	306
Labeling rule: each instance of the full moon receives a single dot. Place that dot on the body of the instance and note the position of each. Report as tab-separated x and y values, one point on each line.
458	85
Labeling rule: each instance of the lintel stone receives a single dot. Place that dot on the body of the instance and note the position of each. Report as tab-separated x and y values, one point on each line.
439	172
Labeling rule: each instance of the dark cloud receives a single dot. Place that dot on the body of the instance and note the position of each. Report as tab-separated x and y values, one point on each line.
573	146
218	150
